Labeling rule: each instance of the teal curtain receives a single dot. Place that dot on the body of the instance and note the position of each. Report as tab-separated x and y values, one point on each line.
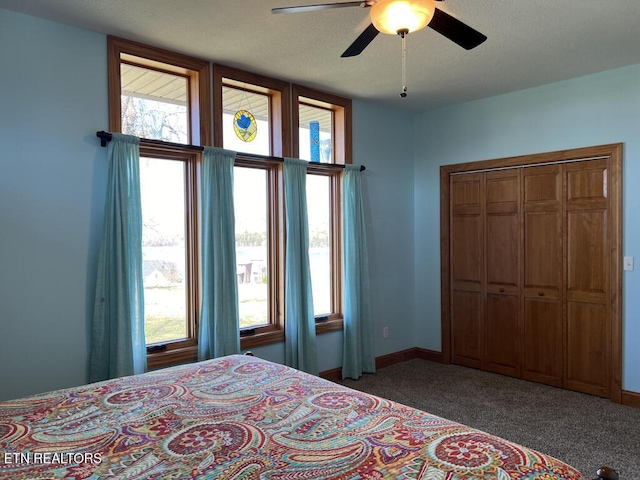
358	355
219	332
300	325
118	346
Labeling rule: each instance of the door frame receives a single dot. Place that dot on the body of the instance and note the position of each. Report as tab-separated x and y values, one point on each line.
614	153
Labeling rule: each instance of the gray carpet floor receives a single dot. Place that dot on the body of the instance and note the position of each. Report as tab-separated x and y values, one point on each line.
581	430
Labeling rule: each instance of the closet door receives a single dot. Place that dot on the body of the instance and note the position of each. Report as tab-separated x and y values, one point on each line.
542	195
587	240
503	329
467	253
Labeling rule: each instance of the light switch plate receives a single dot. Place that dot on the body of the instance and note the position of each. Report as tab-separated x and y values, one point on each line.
628	263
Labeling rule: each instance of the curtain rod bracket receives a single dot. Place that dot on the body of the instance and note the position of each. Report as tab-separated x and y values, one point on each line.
105	137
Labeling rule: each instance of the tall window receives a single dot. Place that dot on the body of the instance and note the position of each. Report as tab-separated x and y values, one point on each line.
323	137
251	202
159	95
251	116
320	230
168	191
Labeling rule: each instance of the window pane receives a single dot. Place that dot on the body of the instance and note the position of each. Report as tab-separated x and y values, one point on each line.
246	124
318	204
250	201
315	130
154	104
163	249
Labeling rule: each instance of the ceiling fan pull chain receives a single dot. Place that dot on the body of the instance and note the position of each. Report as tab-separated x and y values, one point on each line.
403	35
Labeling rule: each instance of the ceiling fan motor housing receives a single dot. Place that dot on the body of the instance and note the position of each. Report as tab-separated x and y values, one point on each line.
391	16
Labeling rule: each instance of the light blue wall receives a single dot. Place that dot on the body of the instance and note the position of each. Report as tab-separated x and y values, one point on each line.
53	97
592	110
383	141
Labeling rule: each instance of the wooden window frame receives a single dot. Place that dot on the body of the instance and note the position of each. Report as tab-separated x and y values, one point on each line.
334	320
342	155
279	105
342	118
178	351
200	133
280	145
274	331
197	71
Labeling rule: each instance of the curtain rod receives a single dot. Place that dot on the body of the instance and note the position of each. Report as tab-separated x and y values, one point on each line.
105	138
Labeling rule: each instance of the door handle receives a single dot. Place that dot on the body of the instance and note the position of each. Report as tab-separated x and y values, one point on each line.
502	290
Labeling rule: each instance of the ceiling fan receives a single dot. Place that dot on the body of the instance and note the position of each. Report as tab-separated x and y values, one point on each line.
400	17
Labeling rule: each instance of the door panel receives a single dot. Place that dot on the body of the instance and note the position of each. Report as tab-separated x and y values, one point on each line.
466	325
587	242
466	248
586	252
543	274
587	340
543	250
543	341
503	339
467	269
502	249
542	186
503	327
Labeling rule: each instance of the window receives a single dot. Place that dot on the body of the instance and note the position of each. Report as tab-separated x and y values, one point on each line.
323	137
315	134
244	101
251	116
154	104
251	203
165	99
164	250
168	193
319	216
331	115
159	95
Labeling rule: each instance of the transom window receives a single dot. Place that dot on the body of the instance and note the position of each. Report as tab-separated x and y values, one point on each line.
154	104
315	134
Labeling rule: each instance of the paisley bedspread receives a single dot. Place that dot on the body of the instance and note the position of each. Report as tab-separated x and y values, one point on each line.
240	417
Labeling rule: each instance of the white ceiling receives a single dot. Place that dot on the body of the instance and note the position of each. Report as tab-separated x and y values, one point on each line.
531	42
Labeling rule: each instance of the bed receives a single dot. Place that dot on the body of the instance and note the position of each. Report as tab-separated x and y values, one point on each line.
240	417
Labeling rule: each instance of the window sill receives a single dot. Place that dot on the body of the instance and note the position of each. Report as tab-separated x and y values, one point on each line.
169	358
331	325
277	336
258	339
190	354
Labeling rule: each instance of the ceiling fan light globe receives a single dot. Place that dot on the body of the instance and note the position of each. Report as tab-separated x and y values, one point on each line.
391	16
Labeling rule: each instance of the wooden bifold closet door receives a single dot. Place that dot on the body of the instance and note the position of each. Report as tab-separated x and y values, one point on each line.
529	273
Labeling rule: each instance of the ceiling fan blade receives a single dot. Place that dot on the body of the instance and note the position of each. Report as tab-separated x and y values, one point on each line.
321	6
456	31
364	39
